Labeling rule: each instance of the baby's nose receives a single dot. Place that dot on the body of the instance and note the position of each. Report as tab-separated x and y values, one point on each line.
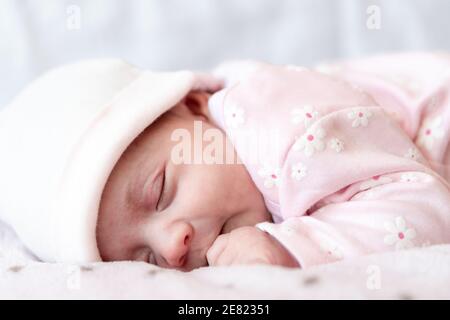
178	243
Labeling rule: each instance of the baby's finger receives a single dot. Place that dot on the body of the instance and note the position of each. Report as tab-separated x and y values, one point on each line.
218	246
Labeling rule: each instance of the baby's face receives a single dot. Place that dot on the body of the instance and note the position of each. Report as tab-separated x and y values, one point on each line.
170	214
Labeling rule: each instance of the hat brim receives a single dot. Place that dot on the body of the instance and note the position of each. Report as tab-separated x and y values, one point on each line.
98	150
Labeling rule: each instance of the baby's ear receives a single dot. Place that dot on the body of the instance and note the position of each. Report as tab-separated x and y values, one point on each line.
194	103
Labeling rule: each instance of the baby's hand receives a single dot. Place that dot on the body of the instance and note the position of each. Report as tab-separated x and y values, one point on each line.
248	245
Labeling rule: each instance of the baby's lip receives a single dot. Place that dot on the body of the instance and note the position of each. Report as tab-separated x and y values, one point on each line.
222	231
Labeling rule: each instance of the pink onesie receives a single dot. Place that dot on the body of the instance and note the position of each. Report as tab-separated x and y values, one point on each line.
340	176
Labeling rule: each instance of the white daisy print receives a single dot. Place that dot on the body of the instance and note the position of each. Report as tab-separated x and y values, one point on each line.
360	117
311	142
409	177
305	115
412	154
373	182
431	131
271	176
336	144
298	171
399	235
234	116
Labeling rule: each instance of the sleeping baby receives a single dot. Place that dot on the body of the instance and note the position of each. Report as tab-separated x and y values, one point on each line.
253	164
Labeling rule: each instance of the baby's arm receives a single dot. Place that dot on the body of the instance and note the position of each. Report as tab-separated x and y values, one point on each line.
410	210
414	88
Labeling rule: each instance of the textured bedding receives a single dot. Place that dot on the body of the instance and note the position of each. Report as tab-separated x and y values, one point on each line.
410	274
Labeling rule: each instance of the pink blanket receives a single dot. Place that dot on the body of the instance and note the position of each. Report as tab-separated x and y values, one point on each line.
410	274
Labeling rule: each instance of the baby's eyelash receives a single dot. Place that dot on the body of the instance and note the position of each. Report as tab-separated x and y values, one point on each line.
151	258
161	193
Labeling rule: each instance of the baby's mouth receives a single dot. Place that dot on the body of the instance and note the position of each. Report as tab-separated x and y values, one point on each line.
222	230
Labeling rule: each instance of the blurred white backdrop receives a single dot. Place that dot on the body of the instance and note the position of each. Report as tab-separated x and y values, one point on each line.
172	34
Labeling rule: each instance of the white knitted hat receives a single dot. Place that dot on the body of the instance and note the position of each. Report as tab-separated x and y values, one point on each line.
60	139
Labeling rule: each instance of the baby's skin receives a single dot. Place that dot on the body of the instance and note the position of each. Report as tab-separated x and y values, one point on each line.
183	216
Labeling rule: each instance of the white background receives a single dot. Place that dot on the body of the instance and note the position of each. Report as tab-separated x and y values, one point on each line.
172	34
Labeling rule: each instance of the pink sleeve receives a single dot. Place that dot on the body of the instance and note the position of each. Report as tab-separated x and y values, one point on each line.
411	209
415	89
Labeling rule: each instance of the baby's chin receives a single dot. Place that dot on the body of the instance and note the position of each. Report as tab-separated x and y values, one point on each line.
195	263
